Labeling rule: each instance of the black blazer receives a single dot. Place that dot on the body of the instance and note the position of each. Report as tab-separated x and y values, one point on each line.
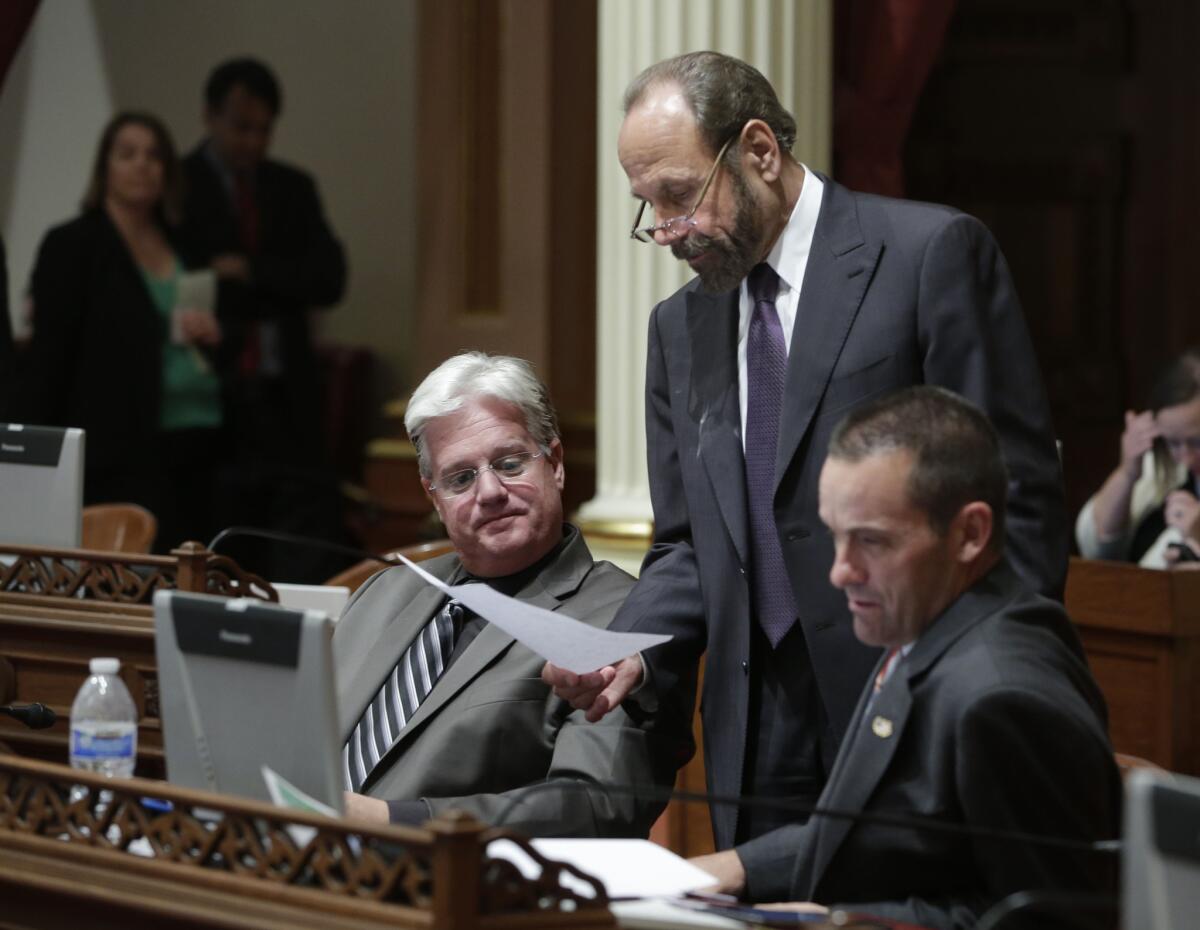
6	339
95	359
299	265
895	293
992	720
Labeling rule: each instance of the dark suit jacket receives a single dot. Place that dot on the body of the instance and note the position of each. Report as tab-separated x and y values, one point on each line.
993	720
299	265
95	360
6	338
895	293
491	731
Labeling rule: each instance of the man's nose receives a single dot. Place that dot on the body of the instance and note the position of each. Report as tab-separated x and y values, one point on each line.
844	572
488	487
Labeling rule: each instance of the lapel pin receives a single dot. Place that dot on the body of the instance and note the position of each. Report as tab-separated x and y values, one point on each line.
881	727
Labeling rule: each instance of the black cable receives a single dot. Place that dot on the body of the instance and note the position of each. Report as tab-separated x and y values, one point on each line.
294	539
1066	902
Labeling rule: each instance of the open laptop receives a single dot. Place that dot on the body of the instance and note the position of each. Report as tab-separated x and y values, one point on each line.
1160	864
243	684
41	485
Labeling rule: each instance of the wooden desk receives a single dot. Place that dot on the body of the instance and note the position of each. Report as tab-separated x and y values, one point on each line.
217	861
1141	630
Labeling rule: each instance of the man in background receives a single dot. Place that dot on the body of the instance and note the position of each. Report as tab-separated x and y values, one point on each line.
442	710
981	714
259	224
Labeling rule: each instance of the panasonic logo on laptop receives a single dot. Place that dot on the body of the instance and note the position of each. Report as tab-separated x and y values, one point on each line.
240	639
5	447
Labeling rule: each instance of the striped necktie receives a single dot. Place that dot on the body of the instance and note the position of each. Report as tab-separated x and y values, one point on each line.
400	695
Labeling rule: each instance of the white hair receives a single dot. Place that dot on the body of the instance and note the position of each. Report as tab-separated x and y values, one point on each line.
477	374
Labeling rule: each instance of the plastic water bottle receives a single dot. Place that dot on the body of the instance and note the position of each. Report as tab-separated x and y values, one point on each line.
104	723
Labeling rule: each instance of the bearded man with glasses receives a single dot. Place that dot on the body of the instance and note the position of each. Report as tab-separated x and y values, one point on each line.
441	710
808	299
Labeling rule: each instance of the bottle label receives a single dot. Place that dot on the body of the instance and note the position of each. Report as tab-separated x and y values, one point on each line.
95	746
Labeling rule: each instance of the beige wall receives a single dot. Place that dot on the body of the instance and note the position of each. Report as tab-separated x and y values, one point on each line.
347	70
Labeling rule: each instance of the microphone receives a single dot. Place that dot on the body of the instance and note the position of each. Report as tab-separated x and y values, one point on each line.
910	821
34	716
232	532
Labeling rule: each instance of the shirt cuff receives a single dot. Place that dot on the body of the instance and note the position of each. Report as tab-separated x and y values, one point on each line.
409	813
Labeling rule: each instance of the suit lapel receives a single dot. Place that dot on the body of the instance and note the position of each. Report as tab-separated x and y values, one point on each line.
840	266
874	734
410	617
714	406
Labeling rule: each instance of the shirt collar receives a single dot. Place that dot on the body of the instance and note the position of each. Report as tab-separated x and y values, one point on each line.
791	249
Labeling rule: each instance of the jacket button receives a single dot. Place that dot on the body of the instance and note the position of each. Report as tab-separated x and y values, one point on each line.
745	667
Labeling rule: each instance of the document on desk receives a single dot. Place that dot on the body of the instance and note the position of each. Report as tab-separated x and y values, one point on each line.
566	642
626	868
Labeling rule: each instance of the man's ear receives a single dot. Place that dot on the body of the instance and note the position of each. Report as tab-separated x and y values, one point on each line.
760	150
556	462
973	531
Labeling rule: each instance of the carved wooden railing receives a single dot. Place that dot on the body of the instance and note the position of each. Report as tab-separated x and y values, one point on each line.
210	856
125	578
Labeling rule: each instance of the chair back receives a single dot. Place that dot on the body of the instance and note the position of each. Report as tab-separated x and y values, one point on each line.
118	528
355	575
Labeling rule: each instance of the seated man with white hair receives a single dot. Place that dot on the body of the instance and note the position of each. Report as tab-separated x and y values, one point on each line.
440	709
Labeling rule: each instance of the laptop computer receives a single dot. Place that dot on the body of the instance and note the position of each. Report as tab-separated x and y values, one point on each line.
41	485
243	684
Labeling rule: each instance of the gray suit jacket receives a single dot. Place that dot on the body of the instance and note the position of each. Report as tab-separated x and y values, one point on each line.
895	293
992	720
491	731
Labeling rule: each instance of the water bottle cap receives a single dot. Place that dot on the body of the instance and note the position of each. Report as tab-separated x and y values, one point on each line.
104	666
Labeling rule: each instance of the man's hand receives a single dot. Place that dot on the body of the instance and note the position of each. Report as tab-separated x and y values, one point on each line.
360	807
596	692
726	867
232	266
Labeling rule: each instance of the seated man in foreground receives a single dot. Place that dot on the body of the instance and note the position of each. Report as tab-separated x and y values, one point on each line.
441	710
982	711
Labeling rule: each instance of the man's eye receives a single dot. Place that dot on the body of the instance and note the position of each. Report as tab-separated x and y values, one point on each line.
459	480
512	465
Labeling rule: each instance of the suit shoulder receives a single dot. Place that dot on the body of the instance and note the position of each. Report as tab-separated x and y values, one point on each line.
287	175
914	220
600	595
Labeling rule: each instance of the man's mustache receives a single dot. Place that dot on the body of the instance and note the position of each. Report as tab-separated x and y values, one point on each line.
694	245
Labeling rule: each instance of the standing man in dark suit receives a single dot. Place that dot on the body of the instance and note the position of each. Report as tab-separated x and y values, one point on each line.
982	712
809	299
464	721
260	226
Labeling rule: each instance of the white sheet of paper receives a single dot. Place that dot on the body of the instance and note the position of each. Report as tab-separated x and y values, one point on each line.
566	642
627	868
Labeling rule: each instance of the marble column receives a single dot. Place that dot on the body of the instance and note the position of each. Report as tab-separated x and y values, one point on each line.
791	42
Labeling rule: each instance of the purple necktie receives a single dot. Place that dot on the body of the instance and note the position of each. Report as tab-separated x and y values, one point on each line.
766	371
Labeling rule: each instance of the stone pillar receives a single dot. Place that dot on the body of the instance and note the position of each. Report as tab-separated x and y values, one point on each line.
791	42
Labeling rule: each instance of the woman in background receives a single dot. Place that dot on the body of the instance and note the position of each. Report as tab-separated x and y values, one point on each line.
114	352
1151	501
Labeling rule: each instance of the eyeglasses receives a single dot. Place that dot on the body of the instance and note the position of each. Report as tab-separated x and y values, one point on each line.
678	227
1176	446
506	468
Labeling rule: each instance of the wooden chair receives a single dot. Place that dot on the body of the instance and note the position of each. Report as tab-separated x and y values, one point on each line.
355	575
118	528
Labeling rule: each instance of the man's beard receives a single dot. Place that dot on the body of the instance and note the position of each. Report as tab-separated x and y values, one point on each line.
735	254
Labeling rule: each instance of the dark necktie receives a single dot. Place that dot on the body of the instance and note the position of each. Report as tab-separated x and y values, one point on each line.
400	695
246	207
766	372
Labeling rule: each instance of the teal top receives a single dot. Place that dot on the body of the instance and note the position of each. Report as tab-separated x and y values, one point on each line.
191	392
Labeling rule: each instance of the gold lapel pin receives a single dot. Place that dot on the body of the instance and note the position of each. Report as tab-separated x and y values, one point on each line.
881	727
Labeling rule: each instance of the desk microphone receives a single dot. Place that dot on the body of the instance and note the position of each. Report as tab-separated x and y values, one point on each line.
232	532
34	716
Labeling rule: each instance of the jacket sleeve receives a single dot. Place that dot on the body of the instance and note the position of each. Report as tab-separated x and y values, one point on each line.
58	289
976	343
667	598
314	273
